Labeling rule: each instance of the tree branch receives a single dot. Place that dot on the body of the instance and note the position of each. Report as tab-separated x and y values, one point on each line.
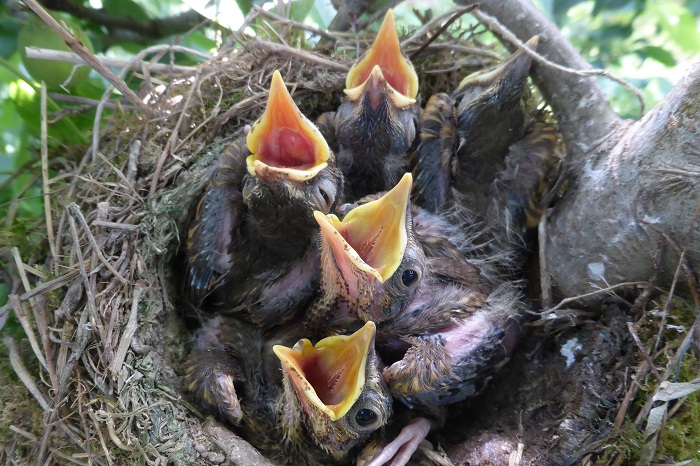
154	29
584	115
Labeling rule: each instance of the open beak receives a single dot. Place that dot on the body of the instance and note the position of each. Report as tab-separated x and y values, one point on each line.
283	142
371	238
331	374
395	70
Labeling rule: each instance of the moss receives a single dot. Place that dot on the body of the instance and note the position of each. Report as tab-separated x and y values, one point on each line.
17	408
623	446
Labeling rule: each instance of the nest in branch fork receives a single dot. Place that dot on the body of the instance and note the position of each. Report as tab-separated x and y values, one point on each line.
104	362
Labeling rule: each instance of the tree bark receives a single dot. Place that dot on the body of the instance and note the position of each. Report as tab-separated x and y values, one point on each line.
634	185
646	181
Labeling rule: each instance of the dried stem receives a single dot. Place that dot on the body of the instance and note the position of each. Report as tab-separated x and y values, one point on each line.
138	65
88	56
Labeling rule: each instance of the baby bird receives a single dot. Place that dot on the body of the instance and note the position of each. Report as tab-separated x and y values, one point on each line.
371	264
465	136
377	124
250	246
441	340
327	401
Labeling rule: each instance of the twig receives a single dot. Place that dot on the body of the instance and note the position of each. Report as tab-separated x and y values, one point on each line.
24	433
108	92
545	277
88	56
296	24
54	284
117	226
101	437
57	55
504	32
92	306
593	293
18	367
430	24
172	140
16	173
121	176
132	165
45	178
74	210
630	394
75	99
128	333
667	306
455	16
643	350
674	365
21	316
279	49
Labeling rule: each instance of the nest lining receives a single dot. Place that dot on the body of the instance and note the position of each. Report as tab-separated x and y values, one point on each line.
113	344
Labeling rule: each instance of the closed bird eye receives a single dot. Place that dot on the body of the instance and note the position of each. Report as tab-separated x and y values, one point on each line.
325	196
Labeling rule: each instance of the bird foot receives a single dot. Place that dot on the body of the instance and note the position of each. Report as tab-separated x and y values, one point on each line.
400	450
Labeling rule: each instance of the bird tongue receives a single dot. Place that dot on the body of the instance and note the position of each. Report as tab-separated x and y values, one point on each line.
371	238
283	142
386	53
331	374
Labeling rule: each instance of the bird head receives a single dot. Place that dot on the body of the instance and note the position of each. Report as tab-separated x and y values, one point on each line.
383	73
337	383
505	80
371	260
289	158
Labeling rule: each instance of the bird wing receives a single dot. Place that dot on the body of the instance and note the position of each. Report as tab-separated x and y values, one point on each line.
433	161
211	231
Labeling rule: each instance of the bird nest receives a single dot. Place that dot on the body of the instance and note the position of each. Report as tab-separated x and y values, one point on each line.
105	340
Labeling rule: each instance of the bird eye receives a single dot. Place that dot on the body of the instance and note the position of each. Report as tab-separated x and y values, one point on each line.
409	276
325	196
365	417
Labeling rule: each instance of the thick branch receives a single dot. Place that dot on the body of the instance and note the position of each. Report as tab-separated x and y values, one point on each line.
643	189
584	115
155	28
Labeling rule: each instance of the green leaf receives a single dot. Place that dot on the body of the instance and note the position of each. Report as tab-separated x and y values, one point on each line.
659	54
198	41
245	6
9	28
561	8
322	13
300	9
125	9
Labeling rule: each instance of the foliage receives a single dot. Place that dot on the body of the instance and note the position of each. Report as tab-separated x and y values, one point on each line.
646	42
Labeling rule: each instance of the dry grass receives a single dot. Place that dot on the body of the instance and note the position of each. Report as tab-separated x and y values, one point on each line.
104	338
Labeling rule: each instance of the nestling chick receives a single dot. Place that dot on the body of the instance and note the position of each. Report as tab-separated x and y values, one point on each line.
377	124
371	264
465	136
328	399
443	339
250	247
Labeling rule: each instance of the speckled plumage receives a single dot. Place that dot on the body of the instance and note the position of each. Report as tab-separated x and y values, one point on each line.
465	136
232	357
377	124
250	248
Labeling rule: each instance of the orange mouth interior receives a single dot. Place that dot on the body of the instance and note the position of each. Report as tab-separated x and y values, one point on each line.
386	53
283	137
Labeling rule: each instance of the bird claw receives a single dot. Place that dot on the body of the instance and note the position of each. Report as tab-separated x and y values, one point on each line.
400	450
